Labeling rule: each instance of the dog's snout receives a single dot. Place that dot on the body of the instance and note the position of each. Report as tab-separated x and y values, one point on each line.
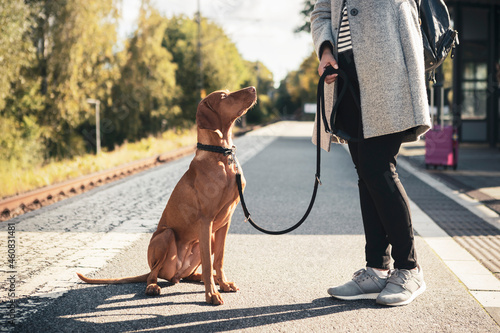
252	89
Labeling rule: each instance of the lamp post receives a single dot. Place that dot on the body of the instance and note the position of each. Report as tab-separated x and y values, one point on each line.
97	123
200	59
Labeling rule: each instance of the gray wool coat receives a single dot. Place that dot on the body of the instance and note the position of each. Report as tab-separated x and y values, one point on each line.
388	52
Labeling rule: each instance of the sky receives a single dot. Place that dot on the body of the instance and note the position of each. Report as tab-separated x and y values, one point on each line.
261	29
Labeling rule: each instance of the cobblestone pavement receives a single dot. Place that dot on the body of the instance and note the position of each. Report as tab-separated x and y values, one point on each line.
84	232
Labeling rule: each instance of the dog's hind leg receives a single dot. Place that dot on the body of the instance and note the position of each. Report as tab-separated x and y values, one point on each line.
162	254
190	263
194	277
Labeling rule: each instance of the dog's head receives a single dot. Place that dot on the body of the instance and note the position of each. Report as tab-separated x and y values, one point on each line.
218	111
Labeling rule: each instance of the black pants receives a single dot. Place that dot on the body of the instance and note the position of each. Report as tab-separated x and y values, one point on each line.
384	204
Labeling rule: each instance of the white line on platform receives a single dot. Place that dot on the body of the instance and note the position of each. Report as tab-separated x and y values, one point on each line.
481	283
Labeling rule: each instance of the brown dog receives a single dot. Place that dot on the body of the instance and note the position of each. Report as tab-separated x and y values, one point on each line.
195	222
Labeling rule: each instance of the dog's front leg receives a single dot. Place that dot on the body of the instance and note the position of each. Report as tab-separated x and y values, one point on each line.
219	246
212	296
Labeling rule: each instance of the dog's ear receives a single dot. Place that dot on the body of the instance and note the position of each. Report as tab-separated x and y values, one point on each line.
208	118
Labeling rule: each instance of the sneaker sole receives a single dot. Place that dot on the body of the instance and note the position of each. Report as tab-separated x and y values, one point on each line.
356	297
417	293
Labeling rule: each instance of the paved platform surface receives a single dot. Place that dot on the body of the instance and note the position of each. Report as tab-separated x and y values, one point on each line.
477	181
282	279
477	174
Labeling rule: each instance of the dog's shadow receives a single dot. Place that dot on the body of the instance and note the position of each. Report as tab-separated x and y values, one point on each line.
118	308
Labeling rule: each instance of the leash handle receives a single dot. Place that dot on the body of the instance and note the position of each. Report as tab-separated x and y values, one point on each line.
331	129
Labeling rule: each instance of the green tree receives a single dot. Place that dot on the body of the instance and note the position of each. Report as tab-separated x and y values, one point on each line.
144	95
180	39
16	50
306	13
283	101
304	81
75	61
55	55
261	78
299	87
20	98
222	65
19	143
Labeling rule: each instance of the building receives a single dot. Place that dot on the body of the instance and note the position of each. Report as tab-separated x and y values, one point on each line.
471	81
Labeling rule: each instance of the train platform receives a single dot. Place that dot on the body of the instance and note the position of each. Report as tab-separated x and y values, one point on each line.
283	280
465	204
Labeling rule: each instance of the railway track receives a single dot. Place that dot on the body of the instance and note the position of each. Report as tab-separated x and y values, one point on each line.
25	202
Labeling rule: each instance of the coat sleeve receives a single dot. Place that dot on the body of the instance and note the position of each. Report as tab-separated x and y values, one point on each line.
321	24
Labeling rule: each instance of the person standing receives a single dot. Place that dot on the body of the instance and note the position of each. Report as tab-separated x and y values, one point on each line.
379	47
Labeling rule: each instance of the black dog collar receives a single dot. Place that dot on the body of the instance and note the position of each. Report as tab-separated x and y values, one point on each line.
217	149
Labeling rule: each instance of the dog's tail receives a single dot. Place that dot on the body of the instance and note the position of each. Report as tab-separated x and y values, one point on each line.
132	279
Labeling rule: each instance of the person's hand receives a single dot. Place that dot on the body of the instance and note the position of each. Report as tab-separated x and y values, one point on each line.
327	59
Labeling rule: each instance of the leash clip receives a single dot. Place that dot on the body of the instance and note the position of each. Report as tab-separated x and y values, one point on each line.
232	158
235	160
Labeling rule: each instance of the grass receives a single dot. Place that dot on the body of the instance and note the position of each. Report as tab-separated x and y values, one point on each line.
15	181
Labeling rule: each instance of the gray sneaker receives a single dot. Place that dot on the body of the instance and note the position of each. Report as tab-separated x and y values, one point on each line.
365	284
403	286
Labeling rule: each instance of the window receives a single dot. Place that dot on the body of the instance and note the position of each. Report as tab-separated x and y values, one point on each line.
474	45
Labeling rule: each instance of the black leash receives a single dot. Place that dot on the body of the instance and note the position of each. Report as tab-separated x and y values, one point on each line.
320	112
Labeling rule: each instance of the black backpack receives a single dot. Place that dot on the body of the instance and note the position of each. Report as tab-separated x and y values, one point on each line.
438	37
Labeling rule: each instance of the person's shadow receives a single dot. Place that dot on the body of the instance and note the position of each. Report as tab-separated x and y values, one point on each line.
105	309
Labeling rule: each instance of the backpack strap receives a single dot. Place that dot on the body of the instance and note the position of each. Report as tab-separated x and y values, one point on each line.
418	3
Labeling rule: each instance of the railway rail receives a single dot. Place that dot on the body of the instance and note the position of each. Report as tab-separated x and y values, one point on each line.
25	202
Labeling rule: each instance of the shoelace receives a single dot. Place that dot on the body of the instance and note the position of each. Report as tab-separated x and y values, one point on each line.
361	275
358	273
399	277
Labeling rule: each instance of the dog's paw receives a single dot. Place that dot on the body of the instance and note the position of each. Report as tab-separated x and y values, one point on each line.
214	298
228	286
153	289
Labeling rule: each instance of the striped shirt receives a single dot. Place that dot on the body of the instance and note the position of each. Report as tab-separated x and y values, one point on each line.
344	40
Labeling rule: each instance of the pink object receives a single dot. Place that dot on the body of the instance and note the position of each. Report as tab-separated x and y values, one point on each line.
441	147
